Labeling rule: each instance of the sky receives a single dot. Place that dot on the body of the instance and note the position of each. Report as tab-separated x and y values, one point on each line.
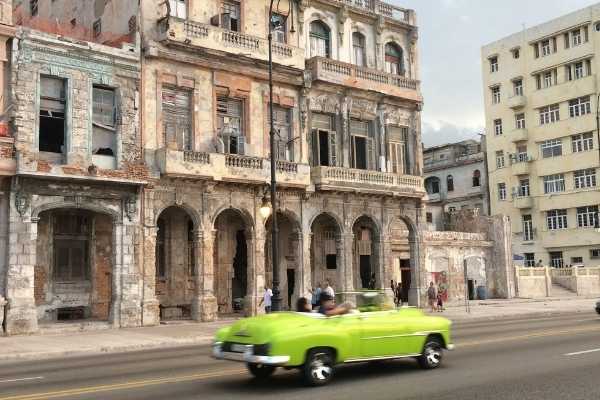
451	34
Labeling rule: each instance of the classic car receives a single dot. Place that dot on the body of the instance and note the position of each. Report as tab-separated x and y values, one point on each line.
314	343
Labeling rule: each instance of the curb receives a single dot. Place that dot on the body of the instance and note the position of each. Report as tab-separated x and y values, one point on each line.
464	320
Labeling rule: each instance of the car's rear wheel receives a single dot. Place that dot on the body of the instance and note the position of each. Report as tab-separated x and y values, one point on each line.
260	371
431	357
318	368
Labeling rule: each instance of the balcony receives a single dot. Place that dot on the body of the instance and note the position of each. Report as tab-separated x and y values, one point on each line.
377	7
522	202
517	102
230	168
7	154
519	135
359	180
521	167
175	31
434	197
341	73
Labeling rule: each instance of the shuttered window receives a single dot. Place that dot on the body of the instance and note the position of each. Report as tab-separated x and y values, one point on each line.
104	120
283	128
397	157
362	145
324	140
177	117
230	124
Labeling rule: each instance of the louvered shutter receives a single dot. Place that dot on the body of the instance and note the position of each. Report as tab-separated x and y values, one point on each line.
332	149
371	154
177	117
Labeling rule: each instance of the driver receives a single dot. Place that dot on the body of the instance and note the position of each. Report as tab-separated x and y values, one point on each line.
328	307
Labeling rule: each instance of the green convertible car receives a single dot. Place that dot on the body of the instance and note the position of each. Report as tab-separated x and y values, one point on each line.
315	343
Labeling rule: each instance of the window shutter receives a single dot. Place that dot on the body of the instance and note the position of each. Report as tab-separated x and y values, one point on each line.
585	34
536	50
554	48
241	142
315	147
332	149
371	154
567	41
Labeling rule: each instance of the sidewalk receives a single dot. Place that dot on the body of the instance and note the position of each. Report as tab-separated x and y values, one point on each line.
91	342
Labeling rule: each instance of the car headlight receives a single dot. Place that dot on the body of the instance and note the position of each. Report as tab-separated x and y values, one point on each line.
261	349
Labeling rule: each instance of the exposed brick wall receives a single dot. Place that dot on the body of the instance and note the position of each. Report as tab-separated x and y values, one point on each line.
102	278
42	265
40	280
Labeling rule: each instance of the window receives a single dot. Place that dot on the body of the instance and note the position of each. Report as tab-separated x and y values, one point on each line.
279	24
585	178
362	145
502	191
527	228
556	259
520	121
324	140
331	261
397	139
230	15
178	8
33	7
548	46
493	64
451	209
476	178
576	37
358	47
429	217
71	236
394	59
498	127
549	114
450	183
529	259
549	78
177	117
97	27
582	142
524	187
516	53
587	217
576	261
580	106
500	159
104	121
595	253
578	70
283	129
554	183
521	155
556	219
432	185
52	115
551	148
518	86
230	125
496	95
319	40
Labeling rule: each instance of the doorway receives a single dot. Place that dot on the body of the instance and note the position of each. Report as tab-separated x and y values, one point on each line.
365	271
360	152
324	148
291	281
239	279
405	276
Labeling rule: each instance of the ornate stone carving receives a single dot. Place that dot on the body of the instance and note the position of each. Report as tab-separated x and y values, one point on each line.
22	202
362	107
130	206
397	117
343	15
324	103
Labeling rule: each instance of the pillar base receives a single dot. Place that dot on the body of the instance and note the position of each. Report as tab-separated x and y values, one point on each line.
150	313
251	306
414	297
204	308
126	315
21	317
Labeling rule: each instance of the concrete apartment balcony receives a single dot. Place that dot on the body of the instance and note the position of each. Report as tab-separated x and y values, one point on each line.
516	102
521	167
344	74
378	8
519	135
365	181
562	92
523	202
176	31
230	168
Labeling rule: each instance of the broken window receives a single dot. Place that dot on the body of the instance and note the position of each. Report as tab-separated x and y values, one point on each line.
230	124
230	15
398	159
103	121
394	63
283	133
71	247
362	144
324	138
52	115
177	117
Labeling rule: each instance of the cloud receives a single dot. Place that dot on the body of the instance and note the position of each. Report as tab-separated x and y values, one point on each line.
438	132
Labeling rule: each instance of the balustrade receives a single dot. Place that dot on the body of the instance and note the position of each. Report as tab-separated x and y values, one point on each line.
197	157
233	160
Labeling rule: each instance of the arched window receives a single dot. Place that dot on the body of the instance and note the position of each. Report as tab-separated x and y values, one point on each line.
450	183
319	39
394	63
432	185
476	178
358	47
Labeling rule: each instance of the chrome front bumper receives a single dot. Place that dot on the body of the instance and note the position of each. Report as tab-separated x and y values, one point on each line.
247	356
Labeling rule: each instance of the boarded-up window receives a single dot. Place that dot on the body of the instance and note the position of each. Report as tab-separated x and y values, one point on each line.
230	124
177	117
71	247
283	133
52	115
362	145
324	140
104	121
397	157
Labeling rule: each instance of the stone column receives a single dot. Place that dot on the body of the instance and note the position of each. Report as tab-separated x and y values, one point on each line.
343	132
345	246
305	266
387	263
206	305
150	304
197	300
416	270
255	242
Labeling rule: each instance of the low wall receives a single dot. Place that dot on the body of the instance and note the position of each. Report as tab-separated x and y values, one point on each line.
583	281
533	282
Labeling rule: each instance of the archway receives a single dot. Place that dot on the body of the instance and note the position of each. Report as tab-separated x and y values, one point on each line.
476	284
74	265
176	261
405	265
231	265
326	252
365	255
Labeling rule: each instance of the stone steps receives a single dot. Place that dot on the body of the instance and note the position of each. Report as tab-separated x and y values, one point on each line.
560	291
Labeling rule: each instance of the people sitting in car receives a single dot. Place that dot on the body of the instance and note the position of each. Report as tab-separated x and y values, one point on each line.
302	305
328	307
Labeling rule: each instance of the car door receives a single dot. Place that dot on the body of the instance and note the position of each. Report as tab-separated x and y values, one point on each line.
384	334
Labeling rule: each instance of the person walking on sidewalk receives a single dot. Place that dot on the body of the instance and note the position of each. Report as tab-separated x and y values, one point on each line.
431	296
316	296
267	296
440	302
328	289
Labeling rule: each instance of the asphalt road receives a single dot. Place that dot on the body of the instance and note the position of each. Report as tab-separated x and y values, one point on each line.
545	358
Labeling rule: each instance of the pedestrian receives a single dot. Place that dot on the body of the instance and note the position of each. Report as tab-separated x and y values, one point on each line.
302	305
431	296
316	296
267	296
398	294
372	282
440	302
328	289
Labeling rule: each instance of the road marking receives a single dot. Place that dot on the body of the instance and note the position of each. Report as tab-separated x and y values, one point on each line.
581	352
22	379
121	386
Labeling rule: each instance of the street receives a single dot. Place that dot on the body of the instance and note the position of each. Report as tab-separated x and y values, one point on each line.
544	358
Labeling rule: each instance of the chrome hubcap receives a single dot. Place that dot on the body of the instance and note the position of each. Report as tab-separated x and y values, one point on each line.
320	369
433	355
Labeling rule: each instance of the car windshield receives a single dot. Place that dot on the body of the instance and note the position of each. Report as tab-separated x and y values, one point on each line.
366	301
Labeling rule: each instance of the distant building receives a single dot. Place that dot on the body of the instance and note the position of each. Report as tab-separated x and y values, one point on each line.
455	179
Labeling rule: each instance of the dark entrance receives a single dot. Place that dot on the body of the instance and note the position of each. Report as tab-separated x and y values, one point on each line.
239	279
324	148
405	276
291	280
360	152
471	288
365	271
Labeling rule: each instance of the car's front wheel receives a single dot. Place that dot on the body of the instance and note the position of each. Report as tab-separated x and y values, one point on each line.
260	371
431	357
318	368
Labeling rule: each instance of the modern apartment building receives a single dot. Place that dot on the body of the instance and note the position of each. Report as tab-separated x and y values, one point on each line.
455	179
541	101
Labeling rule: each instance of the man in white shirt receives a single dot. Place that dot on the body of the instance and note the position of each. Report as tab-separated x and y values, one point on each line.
267	299
329	290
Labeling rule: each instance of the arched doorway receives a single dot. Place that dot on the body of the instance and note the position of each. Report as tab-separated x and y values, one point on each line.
74	265
231	261
365	257
176	263
325	252
404	262
289	237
